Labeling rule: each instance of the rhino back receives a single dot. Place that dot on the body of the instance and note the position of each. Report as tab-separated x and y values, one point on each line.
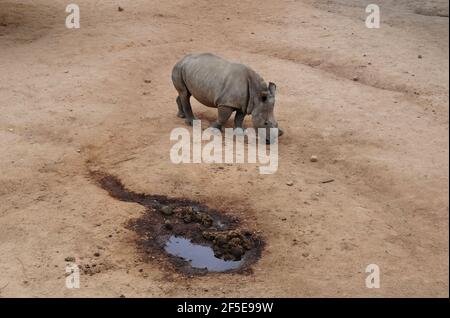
214	81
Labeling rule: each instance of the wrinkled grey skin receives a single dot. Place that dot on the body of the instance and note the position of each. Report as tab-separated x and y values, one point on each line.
230	87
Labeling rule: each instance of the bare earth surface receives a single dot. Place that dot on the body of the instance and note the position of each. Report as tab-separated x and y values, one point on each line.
372	104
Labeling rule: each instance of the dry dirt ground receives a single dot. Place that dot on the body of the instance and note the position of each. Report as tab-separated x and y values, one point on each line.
372	104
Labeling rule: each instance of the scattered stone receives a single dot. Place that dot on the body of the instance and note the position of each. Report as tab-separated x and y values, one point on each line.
96	254
290	183
237	251
419	56
328	181
313	158
355	79
168	225
70	259
147	81
120	9
166	210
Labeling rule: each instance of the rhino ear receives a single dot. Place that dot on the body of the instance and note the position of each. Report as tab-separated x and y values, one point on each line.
272	88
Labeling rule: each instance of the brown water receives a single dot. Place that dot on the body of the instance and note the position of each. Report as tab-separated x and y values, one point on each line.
198	256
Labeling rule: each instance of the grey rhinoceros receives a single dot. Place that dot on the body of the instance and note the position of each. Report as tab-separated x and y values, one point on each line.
216	82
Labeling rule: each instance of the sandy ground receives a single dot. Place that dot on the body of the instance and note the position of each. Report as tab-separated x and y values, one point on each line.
74	100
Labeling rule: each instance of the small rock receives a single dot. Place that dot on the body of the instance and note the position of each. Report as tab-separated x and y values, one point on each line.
419	56
305	254
120	9
168	225
290	183
147	81
166	210
313	158
355	79
237	251
70	259
96	254
221	239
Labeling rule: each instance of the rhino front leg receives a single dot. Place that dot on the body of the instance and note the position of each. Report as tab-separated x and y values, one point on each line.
239	119
224	113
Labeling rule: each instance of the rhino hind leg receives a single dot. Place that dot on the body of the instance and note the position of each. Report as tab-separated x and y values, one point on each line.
184	105
239	119
180	108
187	109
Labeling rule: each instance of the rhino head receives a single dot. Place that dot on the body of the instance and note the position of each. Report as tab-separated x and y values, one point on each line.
262	111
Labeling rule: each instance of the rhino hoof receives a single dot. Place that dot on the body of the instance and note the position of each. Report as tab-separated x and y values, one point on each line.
189	121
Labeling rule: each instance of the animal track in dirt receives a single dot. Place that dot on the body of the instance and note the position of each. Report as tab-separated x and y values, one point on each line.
194	238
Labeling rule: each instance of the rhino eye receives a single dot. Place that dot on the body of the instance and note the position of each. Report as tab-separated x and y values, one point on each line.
264	98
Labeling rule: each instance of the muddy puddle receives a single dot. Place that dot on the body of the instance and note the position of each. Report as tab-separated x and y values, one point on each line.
199	256
192	237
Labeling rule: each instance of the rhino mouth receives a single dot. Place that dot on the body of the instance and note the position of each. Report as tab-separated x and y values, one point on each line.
270	139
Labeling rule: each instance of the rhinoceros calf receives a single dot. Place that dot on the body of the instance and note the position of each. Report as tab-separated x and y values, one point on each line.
216	82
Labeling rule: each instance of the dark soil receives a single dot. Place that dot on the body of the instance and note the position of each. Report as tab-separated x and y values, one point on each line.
165	217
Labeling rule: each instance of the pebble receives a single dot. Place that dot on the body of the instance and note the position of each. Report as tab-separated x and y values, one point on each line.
314	159
290	183
167	210
168	225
